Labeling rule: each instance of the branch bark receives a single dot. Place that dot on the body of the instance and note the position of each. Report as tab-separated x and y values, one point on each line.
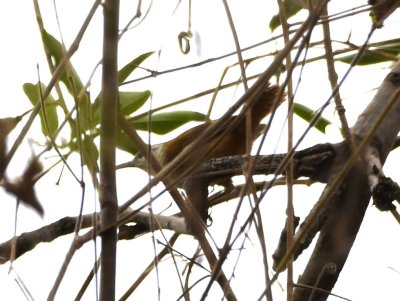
313	163
108	191
375	132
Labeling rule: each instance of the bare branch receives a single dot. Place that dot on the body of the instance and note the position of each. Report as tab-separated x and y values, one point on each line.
109	113
375	132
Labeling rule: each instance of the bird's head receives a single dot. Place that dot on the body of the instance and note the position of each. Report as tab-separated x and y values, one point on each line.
140	161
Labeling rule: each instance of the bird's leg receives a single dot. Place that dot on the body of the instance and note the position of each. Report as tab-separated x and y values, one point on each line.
196	189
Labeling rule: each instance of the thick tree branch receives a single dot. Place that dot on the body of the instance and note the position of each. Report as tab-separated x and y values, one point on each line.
376	129
313	163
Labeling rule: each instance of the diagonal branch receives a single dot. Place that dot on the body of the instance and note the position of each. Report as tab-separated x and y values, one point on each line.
314	163
376	131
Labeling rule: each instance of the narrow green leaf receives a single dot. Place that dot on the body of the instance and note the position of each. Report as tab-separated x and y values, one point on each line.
130	67
70	79
292	7
96	111
163	123
90	154
131	101
125	143
85	113
376	56
57	52
33	93
307	114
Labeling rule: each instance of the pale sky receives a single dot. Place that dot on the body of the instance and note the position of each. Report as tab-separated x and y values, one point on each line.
372	270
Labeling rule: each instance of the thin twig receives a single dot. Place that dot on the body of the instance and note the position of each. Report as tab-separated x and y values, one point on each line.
307	24
150	267
56	75
333	79
289	168
338	16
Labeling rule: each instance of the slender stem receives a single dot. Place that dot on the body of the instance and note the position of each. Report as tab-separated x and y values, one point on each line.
333	79
109	113
289	168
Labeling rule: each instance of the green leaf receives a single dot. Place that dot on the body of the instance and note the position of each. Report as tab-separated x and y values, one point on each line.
125	143
163	123
131	101
308	114
33	93
85	115
375	56
90	154
130	67
70	79
292	7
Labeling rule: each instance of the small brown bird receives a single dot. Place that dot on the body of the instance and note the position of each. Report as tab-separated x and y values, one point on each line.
229	140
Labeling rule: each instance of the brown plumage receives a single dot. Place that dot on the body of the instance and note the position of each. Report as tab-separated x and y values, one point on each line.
228	140
231	140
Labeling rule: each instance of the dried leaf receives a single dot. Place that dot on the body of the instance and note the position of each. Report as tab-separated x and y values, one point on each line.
23	188
6	126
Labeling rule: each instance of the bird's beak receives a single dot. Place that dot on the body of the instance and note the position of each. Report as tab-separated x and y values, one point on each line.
139	161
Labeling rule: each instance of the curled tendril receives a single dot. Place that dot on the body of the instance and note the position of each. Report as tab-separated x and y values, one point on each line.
184	41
